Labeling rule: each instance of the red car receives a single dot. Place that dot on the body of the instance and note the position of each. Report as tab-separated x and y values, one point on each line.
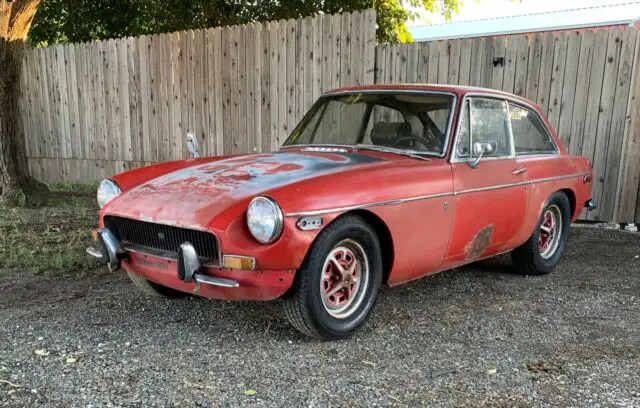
377	184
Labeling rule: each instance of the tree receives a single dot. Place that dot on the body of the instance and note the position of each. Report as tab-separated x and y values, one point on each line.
62	21
15	20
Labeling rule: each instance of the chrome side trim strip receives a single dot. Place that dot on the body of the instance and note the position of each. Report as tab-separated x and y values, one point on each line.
489	188
544	180
427	197
522	183
367	205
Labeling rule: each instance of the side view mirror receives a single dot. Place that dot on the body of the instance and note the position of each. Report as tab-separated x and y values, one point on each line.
192	145
479	150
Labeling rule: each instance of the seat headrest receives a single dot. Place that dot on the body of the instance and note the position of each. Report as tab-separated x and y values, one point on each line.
387	133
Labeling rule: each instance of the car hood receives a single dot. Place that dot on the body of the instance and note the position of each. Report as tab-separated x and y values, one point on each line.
193	195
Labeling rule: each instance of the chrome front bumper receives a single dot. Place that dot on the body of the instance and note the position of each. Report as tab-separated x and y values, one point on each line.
109	252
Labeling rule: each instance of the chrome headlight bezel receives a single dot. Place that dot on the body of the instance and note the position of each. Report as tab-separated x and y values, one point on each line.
257	221
107	191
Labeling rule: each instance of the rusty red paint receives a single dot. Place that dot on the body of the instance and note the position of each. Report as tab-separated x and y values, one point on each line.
261	285
480	242
427	236
283	168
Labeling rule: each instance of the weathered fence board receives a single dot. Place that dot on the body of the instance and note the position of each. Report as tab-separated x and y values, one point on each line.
627	204
581	95
613	155
125	102
603	131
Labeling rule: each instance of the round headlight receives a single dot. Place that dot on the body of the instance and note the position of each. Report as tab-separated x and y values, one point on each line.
264	219
107	191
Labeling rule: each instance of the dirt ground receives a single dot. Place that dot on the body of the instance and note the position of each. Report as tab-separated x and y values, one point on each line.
477	336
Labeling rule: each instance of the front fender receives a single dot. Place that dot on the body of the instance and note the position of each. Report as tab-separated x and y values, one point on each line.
288	252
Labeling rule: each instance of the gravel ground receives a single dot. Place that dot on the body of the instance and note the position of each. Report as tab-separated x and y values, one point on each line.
477	336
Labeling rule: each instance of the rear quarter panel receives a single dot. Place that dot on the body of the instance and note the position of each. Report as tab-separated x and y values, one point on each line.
549	174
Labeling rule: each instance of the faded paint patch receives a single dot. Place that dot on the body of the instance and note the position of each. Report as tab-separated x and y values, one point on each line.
479	243
192	196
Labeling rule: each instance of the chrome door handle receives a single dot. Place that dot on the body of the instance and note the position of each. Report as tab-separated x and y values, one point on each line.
518	172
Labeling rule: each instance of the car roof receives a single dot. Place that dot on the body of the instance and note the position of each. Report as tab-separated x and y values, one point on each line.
457	89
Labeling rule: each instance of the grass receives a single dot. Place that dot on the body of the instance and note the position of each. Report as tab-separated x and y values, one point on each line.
50	238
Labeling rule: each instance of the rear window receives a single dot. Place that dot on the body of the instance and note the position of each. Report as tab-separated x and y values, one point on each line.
530	136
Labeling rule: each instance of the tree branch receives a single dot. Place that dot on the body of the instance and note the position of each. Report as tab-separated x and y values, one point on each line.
5	16
16	18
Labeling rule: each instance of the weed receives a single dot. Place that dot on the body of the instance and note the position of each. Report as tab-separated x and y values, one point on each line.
53	237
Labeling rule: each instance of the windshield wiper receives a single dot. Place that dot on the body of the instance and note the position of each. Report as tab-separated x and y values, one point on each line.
386	149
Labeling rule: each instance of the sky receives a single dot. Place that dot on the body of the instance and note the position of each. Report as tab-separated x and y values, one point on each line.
481	9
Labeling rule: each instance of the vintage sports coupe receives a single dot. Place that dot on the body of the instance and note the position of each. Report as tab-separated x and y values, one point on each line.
377	184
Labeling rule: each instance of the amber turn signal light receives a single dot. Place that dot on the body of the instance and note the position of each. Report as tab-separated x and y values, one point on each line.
94	234
239	262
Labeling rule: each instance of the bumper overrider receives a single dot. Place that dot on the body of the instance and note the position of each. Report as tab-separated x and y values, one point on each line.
108	250
188	274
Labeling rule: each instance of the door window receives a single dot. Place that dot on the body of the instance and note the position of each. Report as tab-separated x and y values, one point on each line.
463	147
484	120
530	136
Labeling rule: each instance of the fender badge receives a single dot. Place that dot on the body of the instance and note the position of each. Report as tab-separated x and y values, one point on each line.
309	223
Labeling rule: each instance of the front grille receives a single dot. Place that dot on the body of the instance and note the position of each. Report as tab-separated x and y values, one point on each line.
161	237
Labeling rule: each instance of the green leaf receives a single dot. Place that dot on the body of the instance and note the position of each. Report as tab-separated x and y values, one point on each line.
68	21
250	392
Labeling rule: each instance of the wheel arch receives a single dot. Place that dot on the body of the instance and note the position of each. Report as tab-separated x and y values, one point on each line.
381	230
571	195
384	236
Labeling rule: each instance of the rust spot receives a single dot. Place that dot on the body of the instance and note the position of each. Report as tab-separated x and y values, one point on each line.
479	243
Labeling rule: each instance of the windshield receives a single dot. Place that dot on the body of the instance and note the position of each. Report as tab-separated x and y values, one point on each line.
417	123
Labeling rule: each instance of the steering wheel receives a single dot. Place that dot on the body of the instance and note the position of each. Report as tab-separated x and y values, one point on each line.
414	138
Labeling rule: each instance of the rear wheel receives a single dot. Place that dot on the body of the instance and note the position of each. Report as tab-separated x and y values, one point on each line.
544	249
152	289
336	288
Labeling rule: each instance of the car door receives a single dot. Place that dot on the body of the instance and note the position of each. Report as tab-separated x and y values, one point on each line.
490	186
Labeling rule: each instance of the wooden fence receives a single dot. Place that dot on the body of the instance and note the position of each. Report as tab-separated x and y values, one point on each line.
586	82
90	110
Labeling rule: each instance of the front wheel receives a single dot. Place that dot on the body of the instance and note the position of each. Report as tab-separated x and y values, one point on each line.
336	288
544	249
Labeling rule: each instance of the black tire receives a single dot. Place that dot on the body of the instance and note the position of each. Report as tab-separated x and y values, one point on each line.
304	305
152	289
528	258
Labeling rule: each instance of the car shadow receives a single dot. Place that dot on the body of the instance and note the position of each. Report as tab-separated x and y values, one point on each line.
266	320
448	289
